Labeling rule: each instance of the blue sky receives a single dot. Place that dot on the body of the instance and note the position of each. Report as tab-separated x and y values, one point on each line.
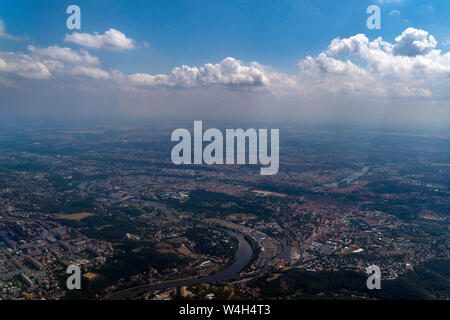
276	33
309	59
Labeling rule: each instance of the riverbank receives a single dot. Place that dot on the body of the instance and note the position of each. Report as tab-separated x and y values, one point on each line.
242	257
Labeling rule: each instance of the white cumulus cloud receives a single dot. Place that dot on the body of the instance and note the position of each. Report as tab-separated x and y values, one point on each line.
410	67
64	54
413	42
112	39
90	72
23	65
229	72
65	61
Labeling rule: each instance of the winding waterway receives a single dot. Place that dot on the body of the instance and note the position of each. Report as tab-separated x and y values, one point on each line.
241	259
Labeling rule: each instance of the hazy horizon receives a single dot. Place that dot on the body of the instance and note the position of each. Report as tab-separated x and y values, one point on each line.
290	62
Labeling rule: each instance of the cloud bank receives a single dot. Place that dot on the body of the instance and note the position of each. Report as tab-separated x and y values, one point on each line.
354	66
348	74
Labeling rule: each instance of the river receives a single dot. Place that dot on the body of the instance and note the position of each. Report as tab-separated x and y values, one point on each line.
241	259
